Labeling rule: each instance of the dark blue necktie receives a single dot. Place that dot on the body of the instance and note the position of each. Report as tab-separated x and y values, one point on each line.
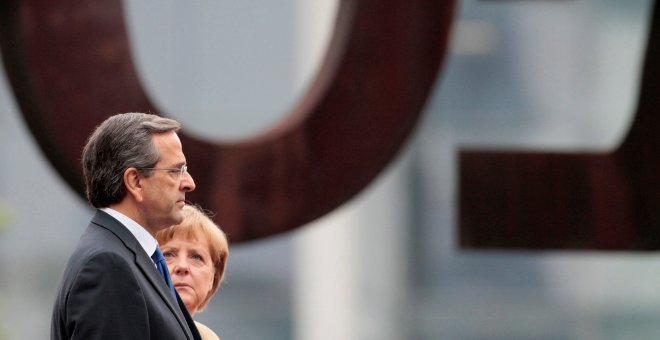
159	260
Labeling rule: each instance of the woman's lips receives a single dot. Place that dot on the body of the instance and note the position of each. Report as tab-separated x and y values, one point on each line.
182	285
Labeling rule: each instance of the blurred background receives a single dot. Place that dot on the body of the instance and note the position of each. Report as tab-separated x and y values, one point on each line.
542	75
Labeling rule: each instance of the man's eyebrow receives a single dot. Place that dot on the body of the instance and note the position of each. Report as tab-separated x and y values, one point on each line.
178	165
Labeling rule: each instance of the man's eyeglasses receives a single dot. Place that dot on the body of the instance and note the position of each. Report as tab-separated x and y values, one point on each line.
174	171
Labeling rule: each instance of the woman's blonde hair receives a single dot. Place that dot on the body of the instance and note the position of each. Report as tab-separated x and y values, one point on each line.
197	222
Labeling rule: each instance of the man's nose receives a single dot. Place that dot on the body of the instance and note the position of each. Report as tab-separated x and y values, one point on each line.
187	182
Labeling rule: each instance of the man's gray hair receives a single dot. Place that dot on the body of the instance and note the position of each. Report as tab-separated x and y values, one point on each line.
120	142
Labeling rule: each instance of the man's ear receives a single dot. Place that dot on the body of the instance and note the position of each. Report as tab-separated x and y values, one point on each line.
133	183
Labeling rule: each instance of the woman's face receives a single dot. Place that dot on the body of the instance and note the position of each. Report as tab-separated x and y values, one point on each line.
191	268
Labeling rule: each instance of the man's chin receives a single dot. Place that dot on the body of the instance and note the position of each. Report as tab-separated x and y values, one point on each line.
178	218
175	218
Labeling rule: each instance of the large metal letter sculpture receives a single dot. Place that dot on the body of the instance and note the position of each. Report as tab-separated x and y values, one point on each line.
579	201
69	65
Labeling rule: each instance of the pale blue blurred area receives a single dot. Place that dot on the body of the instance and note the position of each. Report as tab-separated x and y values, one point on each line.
552	75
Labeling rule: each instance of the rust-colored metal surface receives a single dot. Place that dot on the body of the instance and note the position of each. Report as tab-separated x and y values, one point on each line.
540	200
70	67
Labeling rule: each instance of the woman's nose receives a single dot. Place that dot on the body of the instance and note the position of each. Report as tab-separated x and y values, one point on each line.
180	266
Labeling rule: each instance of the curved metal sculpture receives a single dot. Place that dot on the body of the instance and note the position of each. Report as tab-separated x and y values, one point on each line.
545	200
70	67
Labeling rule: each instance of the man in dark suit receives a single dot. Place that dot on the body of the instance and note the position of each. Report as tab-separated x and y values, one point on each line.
136	176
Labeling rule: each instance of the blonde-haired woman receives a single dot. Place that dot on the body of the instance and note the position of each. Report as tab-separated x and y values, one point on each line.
196	252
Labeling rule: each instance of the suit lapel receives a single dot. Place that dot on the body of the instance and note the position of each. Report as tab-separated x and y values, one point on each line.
149	269
189	319
146	265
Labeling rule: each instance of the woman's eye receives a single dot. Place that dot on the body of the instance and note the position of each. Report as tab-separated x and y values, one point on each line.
168	254
198	257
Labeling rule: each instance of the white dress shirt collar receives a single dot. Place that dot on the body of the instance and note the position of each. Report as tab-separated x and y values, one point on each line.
145	239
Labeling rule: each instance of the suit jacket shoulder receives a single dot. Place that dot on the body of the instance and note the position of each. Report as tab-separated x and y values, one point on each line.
111	289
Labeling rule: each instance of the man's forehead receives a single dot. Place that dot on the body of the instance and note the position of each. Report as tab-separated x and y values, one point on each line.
170	148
